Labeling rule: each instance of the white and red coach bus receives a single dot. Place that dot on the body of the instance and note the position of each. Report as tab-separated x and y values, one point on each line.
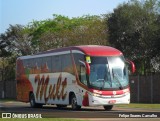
77	76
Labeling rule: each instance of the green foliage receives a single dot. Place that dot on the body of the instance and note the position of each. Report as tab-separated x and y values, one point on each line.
140	106
7	68
3	47
18	40
14	42
62	31
133	28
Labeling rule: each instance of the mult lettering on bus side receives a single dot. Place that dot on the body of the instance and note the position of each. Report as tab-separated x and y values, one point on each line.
54	89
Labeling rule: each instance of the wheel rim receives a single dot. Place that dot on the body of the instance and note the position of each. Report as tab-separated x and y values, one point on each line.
74	103
32	101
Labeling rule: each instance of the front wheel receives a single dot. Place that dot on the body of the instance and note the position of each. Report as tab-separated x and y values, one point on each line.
108	107
74	103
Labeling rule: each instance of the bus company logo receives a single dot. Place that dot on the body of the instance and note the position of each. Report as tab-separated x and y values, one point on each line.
6	115
114	92
54	91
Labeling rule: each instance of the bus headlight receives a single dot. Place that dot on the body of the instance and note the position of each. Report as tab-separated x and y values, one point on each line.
96	95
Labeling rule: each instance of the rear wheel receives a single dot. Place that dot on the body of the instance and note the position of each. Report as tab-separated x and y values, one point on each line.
33	103
108	107
74	103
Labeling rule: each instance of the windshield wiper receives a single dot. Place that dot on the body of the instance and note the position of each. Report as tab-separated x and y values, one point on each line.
120	85
102	87
116	78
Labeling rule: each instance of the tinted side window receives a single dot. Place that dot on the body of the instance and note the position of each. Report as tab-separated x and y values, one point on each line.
38	62
79	65
82	76
46	64
56	64
28	66
67	63
38	65
78	57
29	63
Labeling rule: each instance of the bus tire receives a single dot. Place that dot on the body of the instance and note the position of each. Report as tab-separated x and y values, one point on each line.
61	106
108	107
32	101
74	103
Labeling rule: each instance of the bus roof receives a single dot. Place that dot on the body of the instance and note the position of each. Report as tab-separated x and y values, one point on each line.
96	50
91	50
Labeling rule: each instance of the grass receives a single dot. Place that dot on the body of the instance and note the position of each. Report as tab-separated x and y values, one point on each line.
140	105
43	119
7	100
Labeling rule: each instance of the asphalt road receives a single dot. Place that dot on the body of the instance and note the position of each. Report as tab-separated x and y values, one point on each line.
88	113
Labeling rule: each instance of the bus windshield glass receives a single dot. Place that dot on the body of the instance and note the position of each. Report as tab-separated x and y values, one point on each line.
108	73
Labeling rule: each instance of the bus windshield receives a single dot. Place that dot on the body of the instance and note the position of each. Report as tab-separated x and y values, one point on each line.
108	73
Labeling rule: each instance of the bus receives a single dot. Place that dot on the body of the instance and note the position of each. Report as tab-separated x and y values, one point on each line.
88	75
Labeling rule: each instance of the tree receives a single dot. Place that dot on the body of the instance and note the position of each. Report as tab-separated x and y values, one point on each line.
133	29
3	48
89	30
14	42
18	40
62	31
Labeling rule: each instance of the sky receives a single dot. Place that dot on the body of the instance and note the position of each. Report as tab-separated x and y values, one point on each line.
24	11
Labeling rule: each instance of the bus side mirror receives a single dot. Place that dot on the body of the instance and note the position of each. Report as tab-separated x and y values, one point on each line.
133	68
87	68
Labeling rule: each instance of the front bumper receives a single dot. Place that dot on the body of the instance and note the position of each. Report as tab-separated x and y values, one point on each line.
97	100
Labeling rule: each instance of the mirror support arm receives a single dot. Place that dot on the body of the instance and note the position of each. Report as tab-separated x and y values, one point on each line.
132	65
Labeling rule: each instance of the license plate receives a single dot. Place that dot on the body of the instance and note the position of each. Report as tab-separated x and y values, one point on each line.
112	101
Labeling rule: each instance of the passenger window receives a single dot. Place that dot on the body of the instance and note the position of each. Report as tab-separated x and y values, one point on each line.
56	64
82	75
67	64
37	66
46	64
